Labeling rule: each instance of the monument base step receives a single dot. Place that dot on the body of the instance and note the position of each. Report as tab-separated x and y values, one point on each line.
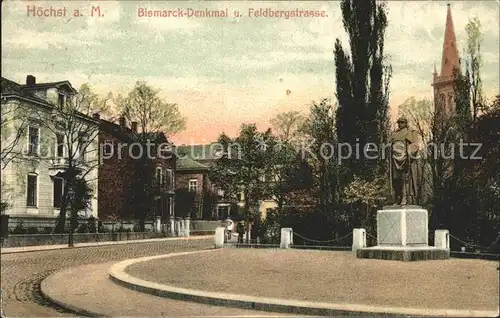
402	253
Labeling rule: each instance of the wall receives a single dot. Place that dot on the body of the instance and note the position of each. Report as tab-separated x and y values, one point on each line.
117	173
264	205
184	177
19	240
198	225
115	177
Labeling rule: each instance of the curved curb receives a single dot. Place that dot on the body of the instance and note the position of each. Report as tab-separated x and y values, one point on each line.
76	310
117	274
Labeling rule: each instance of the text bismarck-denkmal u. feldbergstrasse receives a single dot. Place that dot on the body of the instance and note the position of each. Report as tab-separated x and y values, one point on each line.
224	13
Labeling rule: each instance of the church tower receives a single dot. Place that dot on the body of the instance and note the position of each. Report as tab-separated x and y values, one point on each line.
443	82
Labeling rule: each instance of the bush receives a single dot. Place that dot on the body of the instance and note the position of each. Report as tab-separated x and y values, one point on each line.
123	230
100	227
4	206
91	224
47	230
32	230
19	229
84	228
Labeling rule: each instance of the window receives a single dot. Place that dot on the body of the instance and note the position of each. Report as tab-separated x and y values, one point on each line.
33	140
442	102
59	145
32	189
107	149
82	147
159	176
450	102
61	100
193	185
169	179
58	192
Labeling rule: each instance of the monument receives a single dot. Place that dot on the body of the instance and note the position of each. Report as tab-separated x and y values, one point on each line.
402	228
403	164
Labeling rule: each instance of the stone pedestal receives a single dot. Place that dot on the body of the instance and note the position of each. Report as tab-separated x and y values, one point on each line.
402	234
219	237
402	227
286	237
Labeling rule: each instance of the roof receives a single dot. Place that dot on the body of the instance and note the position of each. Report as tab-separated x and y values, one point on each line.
12	88
128	135
50	85
199	152
450	59
188	164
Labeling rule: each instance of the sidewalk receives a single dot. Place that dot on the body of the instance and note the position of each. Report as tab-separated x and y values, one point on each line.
36	248
86	299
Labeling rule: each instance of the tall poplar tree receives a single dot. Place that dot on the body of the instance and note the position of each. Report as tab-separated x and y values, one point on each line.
362	78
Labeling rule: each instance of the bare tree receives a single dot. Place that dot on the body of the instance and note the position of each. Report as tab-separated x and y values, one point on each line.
72	135
155	118
14	120
287	125
150	111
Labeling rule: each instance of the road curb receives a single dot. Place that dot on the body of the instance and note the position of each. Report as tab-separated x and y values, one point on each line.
76	310
118	275
49	248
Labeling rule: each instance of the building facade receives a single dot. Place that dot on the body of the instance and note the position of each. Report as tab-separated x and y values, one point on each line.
203	199
38	145
121	168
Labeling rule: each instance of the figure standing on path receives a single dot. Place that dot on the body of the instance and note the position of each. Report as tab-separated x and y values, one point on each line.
229	228
254	231
240	228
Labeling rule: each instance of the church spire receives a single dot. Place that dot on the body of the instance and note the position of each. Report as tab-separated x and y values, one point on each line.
450	59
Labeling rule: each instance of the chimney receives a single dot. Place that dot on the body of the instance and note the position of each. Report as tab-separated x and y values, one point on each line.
30	80
133	126
122	121
96	116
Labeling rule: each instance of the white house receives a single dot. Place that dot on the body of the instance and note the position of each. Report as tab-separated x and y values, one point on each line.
36	149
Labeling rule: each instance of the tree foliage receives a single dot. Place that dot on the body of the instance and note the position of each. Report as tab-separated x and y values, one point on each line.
152	113
287	125
362	79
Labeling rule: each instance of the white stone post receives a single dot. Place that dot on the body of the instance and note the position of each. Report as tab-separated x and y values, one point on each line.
219	237
172	227
286	237
187	224
442	239
177	226
358	239
183	228
158	224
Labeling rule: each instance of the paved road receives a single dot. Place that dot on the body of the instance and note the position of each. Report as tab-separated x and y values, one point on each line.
21	273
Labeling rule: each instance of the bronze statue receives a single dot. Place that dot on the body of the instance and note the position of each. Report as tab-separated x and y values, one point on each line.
402	161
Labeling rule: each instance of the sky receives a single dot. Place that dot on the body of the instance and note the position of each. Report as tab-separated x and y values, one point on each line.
223	72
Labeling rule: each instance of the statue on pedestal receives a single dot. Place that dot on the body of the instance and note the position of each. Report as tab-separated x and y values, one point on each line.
402	164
